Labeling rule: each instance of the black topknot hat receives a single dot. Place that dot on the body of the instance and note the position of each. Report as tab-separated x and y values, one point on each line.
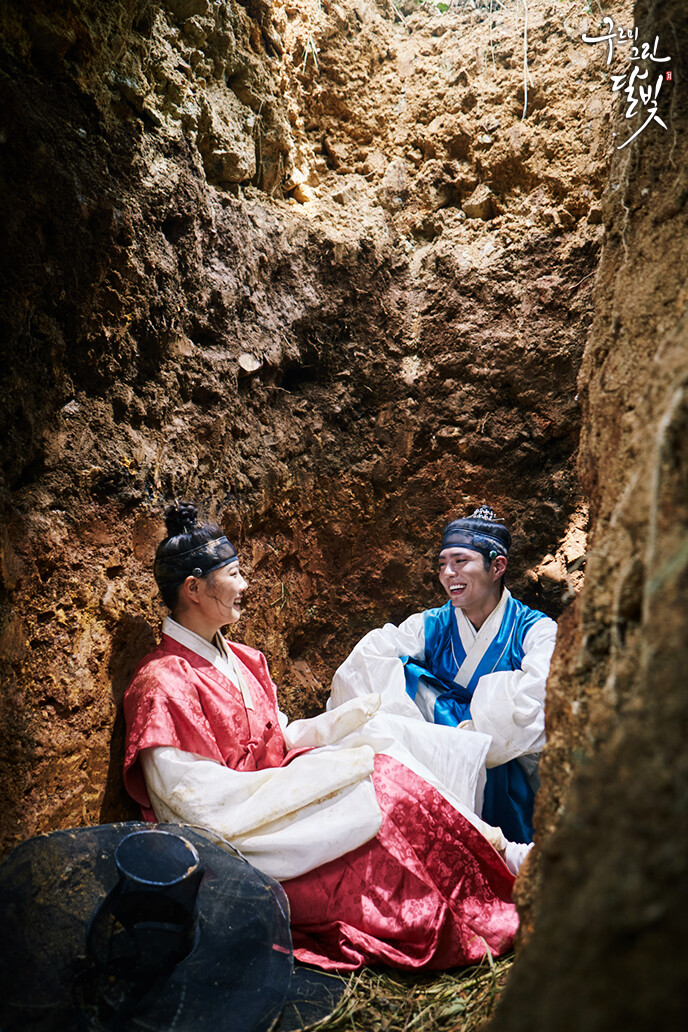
190	548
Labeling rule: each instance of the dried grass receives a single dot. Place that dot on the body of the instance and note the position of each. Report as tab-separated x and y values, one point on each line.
395	1001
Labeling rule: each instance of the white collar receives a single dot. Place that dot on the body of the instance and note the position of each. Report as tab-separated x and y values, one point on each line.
218	653
475	642
201	646
492	622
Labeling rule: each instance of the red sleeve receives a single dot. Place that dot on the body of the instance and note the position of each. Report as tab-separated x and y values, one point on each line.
162	707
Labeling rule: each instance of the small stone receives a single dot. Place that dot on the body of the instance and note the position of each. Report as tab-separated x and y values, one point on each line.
352	190
336	152
249	363
363	11
303	193
410	369
481	204
375	162
295	178
393	189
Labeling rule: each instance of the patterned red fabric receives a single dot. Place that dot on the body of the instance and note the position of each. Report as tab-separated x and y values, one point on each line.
429	892
178	698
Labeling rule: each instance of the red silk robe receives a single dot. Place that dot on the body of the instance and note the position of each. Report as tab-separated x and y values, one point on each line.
428	891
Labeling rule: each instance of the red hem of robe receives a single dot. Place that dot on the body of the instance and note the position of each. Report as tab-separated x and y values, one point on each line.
429	892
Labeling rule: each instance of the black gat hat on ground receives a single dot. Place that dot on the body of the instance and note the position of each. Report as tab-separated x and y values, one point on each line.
156	927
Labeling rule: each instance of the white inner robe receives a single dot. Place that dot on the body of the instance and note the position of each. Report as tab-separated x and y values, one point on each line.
508	706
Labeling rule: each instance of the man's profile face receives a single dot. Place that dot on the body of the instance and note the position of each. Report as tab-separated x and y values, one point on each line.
465	579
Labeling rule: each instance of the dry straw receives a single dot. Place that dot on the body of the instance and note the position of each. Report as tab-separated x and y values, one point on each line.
394	1001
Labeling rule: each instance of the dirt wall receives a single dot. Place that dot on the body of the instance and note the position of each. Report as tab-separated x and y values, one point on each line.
606	903
309	265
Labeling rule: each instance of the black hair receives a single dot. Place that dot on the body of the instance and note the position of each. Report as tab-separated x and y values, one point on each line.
184	532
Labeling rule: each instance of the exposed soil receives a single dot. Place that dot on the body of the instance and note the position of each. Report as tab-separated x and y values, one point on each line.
321	268
335	302
610	892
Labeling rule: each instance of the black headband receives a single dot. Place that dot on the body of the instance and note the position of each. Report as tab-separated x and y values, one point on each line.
481	531
196	562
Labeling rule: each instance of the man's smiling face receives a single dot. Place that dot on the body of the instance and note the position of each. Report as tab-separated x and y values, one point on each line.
464	577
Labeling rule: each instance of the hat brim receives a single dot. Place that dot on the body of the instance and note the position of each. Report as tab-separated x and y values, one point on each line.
50	888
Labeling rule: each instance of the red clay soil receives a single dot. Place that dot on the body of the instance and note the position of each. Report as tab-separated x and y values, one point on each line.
335	303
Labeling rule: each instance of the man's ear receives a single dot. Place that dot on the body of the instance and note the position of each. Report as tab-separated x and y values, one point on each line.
499	565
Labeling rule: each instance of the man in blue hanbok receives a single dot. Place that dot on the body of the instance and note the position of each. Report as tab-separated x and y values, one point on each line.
478	665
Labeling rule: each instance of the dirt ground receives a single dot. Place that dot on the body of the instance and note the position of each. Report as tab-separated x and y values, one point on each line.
338	272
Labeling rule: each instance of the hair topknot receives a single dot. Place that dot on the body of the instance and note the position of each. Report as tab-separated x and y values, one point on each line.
181	518
178	557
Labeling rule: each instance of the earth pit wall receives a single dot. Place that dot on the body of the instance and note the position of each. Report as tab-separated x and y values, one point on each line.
308	266
311	266
605	899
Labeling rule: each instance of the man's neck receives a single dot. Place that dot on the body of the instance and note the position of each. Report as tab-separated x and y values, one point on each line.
479	614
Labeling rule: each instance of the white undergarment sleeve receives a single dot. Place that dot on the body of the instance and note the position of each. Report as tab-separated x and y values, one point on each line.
331	726
285	820
515	854
510	705
374	666
451	760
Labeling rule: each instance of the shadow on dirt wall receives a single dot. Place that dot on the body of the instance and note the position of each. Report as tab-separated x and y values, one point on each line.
132	639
